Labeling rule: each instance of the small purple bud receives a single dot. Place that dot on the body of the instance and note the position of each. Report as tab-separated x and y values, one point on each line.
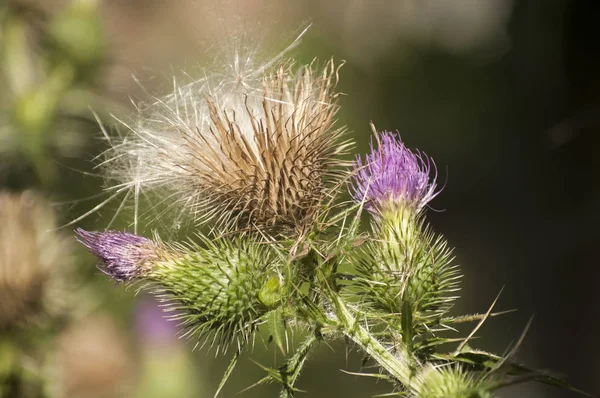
392	175
122	254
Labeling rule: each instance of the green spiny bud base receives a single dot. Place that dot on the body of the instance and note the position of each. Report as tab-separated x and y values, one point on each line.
406	263
448	382
223	289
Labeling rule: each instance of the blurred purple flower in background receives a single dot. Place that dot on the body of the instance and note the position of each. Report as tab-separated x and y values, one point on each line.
392	175
122	254
152	326
167	369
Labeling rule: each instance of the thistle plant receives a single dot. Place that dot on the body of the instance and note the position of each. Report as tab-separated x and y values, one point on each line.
254	152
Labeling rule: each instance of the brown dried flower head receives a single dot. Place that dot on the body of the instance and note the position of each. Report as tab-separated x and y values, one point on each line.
252	147
273	163
33	259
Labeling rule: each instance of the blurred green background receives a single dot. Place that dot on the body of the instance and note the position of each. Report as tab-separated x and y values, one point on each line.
503	94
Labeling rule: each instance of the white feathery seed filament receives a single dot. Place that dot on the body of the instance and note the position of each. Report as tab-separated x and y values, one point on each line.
252	145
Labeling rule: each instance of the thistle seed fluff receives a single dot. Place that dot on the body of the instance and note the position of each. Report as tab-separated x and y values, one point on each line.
253	146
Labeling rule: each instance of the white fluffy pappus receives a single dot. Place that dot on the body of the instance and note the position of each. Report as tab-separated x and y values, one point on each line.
252	143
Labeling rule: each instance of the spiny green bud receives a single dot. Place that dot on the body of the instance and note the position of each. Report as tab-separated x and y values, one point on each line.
406	262
222	288
447	382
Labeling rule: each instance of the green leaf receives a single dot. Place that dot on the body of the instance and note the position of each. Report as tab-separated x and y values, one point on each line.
406	321
481	322
435	342
378	376
270	292
485	361
276	326
474	317
228	372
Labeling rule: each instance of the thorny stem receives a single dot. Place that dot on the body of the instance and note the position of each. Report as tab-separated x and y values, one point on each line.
291	369
398	365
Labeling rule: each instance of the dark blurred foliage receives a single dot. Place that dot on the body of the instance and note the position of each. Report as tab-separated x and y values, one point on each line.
512	124
518	138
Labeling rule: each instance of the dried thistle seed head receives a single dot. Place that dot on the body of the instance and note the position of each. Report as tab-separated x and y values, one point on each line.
250	148
34	262
274	161
123	256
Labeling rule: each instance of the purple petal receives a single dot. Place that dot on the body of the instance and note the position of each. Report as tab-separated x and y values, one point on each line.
121	253
392	174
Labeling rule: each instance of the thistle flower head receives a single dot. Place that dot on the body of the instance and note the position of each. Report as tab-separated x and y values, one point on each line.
222	290
448	381
124	256
393	176
34	262
412	273
251	148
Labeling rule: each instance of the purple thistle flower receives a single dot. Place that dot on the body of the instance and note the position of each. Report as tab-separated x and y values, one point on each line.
121	253
392	174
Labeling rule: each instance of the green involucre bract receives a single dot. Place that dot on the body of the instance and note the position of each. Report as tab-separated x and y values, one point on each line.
406	263
448	381
222	289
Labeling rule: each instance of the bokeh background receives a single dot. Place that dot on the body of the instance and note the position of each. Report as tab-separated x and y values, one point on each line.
503	94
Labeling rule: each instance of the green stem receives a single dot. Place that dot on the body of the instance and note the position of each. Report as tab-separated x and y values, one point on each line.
294	365
399	364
